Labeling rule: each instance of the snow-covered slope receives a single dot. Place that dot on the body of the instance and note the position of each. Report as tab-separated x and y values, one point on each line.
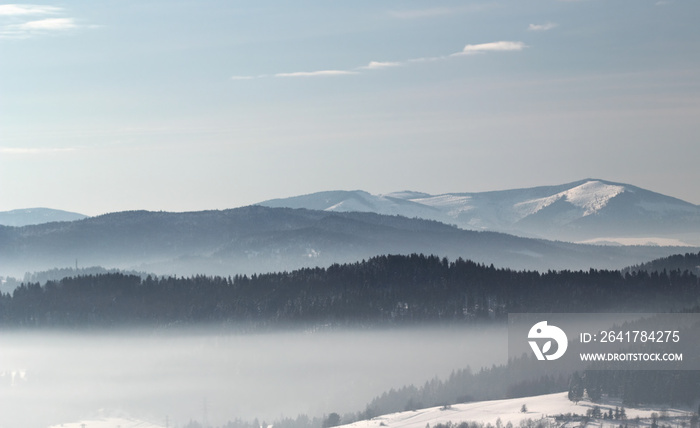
590	197
488	412
360	201
589	209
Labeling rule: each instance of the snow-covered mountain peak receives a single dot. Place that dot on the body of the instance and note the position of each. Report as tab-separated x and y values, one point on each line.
590	196
593	195
561	212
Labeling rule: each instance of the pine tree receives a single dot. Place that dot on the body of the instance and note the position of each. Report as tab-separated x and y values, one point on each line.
575	388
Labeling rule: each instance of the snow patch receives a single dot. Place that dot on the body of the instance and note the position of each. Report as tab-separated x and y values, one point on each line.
444	201
453	204
359	204
312	254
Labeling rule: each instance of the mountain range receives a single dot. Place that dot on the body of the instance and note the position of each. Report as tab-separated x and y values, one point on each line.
263	239
589	210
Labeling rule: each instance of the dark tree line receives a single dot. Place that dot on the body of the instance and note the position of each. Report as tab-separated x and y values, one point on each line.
385	289
687	261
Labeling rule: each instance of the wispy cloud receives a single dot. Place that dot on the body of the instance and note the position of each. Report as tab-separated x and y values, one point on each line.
27	9
501	46
542	27
316	73
25	21
49	24
374	65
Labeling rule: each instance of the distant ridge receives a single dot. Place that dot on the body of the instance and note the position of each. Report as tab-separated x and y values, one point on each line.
585	210
258	239
30	216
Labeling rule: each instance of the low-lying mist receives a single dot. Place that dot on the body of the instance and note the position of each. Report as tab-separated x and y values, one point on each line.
51	377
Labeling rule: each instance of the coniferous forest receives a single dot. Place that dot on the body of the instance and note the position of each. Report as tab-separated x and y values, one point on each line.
381	290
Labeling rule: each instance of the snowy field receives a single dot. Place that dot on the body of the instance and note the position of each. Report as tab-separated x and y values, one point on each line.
488	412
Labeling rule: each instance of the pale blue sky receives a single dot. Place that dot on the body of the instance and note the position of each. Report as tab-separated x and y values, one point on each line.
178	106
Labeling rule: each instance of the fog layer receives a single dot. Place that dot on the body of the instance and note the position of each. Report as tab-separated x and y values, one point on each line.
53	377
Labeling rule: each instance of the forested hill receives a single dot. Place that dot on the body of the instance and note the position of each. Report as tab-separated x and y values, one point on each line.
259	239
381	290
687	261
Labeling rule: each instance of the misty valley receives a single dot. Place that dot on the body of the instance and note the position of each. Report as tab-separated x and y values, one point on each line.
216	375
292	348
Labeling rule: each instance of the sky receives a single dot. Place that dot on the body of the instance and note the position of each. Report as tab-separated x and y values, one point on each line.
182	106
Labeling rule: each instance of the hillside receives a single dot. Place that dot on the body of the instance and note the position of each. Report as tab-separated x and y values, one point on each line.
687	261
542	408
29	216
539	407
261	239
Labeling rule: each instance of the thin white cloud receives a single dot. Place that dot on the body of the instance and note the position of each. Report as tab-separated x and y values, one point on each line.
373	65
316	73
27	9
542	27
48	24
502	46
25	21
